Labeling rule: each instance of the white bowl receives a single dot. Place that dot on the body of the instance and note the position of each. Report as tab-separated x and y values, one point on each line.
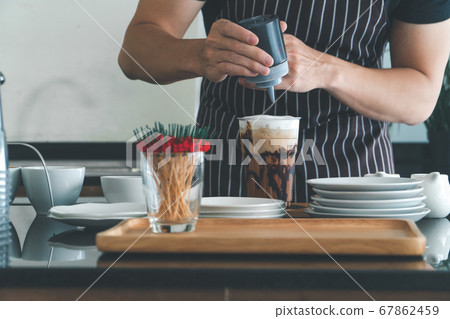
66	183
14	179
123	189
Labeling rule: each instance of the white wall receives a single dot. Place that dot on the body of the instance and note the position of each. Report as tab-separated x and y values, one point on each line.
63	80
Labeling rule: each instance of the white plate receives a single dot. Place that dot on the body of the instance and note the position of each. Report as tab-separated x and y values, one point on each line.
399	194
239	203
99	210
369	204
411	216
243	216
90	222
361	211
364	183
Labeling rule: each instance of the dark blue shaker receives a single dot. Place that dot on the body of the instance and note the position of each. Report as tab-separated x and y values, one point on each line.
267	29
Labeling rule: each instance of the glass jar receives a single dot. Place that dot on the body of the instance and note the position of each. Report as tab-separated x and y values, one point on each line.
173	184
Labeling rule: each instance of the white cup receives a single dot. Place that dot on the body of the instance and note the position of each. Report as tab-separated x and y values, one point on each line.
66	183
123	189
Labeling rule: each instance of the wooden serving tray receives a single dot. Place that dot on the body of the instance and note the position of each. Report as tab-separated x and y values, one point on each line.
271	236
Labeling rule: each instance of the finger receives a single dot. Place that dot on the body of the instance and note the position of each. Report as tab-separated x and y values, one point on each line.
233	30
251	52
283	26
235	58
235	70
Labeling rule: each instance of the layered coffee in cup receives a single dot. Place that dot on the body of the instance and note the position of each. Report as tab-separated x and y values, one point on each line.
269	144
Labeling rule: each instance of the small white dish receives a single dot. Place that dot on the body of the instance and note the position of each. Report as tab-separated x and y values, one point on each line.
99	210
98	215
369	204
411	216
239	203
372	211
364	183
370	195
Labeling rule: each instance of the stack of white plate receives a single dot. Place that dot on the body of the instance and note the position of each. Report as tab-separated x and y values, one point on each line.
367	197
241	207
97	214
5	240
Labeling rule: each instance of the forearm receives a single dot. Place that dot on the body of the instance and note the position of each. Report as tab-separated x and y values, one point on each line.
400	95
150	54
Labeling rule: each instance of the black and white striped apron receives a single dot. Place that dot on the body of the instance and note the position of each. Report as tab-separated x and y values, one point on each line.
349	144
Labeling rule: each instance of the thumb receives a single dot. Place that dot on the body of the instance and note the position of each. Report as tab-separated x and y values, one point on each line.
283	26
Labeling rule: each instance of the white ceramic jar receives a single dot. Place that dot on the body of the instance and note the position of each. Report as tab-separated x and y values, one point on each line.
437	189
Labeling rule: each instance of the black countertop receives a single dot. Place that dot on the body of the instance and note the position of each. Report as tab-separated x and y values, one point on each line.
61	262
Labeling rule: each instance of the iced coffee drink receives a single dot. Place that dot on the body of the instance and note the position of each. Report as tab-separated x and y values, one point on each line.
269	145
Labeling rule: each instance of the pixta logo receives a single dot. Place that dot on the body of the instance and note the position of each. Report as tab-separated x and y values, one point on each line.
134	149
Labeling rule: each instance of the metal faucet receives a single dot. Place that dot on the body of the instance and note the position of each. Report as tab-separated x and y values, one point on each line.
2	80
3	149
4	181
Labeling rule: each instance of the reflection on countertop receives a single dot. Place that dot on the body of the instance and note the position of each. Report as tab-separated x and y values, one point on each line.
437	232
47	243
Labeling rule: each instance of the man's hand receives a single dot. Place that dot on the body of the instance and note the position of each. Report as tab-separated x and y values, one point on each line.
231	50
304	68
